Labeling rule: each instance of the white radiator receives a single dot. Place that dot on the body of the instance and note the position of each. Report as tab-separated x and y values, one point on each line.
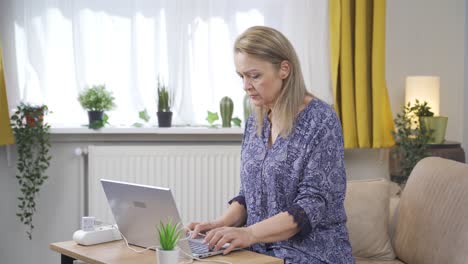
202	178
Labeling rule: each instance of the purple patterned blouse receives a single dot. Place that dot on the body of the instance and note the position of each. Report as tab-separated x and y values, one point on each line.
302	174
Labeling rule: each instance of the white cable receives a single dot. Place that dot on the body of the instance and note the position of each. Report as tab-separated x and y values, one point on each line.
191	257
126	243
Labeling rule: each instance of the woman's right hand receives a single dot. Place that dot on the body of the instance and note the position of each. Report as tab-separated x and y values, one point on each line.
202	227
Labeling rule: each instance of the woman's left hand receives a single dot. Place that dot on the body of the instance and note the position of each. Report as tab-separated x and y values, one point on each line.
238	237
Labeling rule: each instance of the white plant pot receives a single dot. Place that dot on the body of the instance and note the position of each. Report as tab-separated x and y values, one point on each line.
167	256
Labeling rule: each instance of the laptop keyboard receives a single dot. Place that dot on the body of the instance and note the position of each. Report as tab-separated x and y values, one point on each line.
198	247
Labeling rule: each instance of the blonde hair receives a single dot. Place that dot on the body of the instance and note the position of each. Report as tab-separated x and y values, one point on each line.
270	45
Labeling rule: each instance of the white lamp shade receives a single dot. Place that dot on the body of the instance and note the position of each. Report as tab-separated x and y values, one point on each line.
424	88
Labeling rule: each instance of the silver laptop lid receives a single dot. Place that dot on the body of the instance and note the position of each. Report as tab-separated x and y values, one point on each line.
138	210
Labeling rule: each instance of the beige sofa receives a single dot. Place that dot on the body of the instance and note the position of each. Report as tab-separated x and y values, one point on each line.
427	224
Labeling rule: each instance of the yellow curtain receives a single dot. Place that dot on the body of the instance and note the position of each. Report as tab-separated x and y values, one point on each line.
6	135
357	43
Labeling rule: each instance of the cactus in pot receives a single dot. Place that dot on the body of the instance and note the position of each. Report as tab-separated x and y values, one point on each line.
226	107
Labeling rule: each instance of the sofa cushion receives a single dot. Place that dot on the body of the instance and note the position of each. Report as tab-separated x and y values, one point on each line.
432	225
367	208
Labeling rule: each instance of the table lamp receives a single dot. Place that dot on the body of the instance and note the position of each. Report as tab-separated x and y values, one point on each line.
427	89
424	88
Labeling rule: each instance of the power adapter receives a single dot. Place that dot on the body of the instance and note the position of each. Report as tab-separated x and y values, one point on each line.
99	235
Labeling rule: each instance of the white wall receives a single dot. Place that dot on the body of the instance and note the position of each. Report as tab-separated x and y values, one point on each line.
427	37
57	209
424	37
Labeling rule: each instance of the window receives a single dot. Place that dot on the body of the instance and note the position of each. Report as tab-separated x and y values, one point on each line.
62	46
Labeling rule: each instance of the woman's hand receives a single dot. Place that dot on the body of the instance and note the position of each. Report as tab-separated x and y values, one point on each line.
236	215
197	227
238	237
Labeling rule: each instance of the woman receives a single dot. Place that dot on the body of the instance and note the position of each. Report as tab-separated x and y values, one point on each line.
293	181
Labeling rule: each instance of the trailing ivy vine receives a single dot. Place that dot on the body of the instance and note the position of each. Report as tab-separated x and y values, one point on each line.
32	143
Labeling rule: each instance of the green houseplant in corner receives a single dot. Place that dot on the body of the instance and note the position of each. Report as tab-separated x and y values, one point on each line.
164	106
32	143
96	100
169	235
411	140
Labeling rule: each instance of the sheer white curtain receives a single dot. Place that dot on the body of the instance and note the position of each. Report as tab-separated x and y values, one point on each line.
61	46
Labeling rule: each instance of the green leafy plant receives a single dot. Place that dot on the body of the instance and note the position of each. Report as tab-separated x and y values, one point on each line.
236	121
421	109
33	145
143	115
411	137
169	235
96	98
212	117
164	100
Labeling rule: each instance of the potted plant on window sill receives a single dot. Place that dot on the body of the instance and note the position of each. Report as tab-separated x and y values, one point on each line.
226	108
96	100
33	145
169	235
164	106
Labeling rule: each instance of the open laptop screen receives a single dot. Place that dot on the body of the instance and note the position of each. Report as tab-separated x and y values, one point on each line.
138	209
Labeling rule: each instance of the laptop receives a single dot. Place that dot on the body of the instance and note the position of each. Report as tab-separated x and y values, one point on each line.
138	209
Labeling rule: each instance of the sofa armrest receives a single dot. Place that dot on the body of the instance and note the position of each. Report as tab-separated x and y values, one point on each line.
395	192
393	215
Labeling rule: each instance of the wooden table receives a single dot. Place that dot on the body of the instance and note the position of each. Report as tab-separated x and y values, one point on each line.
116	252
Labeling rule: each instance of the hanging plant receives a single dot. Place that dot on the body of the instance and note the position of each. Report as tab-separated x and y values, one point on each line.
32	143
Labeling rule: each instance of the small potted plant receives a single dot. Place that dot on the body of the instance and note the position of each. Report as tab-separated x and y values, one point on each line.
169	235
226	108
96	100
33	146
164	106
436	124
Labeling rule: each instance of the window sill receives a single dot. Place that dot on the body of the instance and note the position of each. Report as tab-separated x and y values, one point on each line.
145	134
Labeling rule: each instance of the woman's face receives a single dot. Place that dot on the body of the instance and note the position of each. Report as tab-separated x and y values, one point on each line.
262	80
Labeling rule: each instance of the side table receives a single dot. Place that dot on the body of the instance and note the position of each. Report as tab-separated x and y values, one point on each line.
448	150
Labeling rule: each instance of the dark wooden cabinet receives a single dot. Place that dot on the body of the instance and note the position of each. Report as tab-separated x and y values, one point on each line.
449	150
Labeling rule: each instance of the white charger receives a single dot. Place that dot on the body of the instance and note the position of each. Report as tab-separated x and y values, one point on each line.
87	223
90	234
99	235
